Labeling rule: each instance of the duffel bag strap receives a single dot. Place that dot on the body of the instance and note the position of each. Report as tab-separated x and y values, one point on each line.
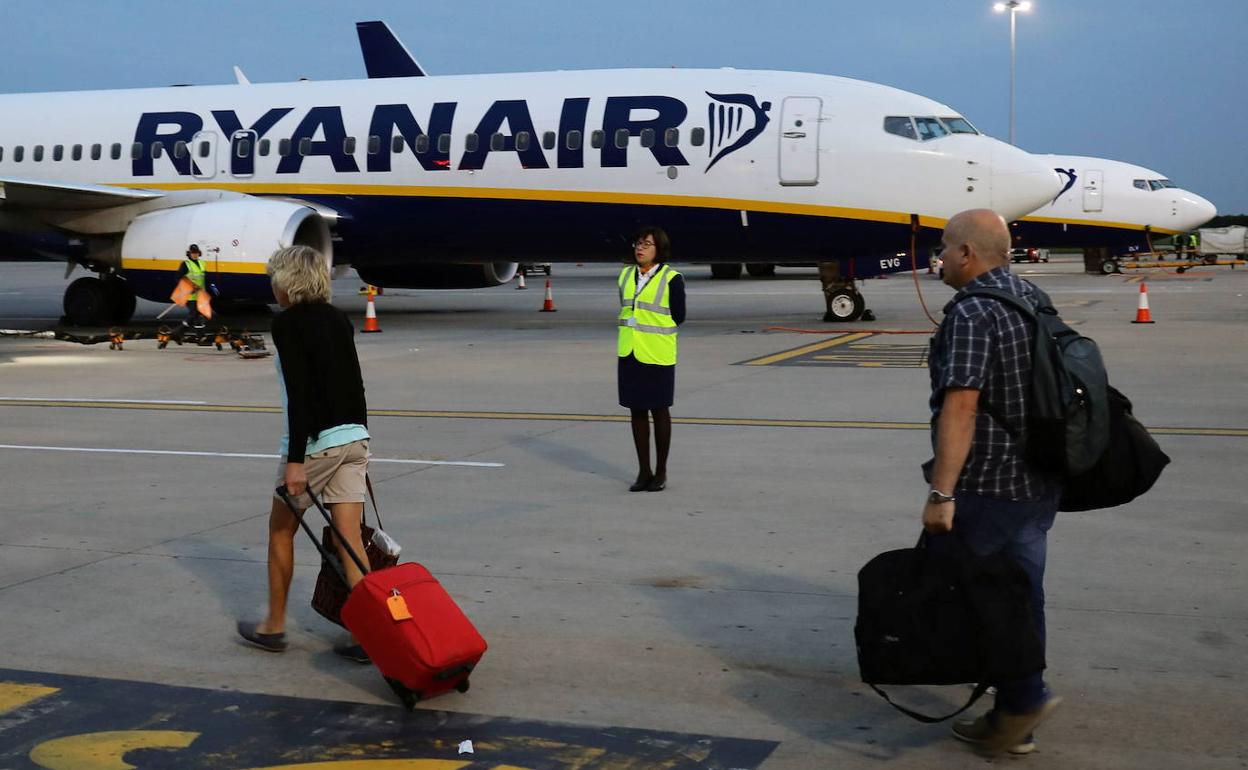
980	689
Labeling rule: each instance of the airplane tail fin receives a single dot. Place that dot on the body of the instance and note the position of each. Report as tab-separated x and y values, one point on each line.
384	55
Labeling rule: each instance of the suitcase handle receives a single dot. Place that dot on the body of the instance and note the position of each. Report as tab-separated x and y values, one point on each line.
333	559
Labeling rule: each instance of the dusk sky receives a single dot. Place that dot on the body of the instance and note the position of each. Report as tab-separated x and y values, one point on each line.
1156	83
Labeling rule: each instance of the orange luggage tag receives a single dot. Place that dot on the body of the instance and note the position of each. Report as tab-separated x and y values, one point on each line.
398	607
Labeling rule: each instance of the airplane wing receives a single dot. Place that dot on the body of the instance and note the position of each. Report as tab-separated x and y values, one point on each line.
384	55
65	196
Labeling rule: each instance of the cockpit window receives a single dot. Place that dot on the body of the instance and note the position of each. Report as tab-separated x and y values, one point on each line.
1161	184
929	128
901	126
958	125
1141	184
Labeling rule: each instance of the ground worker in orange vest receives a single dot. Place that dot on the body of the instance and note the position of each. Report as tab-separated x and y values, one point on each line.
192	289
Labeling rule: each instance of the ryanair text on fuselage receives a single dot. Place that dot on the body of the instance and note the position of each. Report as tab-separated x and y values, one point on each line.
321	132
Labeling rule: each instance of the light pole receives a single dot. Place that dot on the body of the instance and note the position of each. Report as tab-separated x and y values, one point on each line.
1013	6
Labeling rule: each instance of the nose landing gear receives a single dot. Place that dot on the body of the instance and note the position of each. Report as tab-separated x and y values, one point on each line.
844	301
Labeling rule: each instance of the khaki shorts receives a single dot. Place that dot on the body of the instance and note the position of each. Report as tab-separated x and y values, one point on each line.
336	475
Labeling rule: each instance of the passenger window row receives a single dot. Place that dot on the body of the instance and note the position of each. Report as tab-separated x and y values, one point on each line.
243	146
924	128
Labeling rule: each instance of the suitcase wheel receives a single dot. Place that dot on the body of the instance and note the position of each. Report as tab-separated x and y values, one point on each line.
407	697
463	685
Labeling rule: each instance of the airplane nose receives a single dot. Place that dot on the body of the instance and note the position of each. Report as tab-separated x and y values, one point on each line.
1021	183
1193	211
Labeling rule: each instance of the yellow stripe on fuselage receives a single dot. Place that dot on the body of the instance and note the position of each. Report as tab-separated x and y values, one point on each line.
563	196
1098	223
210	265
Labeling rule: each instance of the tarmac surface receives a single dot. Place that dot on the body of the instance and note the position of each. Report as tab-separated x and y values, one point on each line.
708	626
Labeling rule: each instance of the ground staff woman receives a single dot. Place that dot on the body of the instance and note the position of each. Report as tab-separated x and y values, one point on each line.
652	305
326	443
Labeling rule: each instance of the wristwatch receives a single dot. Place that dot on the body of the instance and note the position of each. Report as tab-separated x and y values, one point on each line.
936	497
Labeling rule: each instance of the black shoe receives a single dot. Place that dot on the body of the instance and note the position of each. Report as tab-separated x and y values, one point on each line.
657	484
352	652
266	642
642	483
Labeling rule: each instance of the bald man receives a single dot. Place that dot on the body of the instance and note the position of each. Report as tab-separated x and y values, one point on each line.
982	490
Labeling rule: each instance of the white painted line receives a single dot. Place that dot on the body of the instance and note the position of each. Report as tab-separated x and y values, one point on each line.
242	455
100	400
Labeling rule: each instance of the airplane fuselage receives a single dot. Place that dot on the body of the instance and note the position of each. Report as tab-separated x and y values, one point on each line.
736	165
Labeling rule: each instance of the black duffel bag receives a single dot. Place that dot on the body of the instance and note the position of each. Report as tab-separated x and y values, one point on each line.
927	618
1129	467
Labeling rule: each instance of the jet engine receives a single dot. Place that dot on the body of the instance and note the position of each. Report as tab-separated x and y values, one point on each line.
438	275
236	238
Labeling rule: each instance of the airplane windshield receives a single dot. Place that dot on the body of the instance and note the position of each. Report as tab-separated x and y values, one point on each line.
929	128
901	126
958	125
1160	184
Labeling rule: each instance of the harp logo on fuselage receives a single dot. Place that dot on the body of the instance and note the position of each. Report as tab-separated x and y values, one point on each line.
187	140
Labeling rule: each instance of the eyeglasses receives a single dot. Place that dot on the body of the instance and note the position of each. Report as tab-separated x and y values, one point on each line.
642	244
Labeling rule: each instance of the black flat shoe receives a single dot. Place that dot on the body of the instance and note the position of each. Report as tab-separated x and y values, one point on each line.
351	652
266	642
642	484
657	484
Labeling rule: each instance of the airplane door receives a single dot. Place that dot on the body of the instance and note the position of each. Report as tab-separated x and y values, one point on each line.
1093	195
799	140
243	154
204	154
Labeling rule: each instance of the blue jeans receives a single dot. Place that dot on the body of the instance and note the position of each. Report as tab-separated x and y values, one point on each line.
1019	530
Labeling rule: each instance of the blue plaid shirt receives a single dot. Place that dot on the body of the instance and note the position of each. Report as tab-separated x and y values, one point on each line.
986	345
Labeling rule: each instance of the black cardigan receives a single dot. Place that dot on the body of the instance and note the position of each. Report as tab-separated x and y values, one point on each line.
316	349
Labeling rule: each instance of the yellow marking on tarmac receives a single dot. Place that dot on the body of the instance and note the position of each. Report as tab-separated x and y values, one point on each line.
807	349
13	696
105	751
740	422
380	764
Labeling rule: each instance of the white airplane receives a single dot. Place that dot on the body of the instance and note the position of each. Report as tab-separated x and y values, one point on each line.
1109	204
450	181
1105	205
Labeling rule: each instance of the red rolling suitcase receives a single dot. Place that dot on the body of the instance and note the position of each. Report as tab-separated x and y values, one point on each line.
411	628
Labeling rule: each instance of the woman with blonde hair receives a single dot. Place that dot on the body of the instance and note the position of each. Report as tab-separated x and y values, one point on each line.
325	448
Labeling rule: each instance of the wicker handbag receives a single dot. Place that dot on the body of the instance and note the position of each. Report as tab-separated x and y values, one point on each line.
330	592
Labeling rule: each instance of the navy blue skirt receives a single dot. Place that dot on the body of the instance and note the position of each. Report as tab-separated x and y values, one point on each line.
645	386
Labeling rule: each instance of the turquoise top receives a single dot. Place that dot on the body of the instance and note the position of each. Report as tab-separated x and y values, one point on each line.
328	438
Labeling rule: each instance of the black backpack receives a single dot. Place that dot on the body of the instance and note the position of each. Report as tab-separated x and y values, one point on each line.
1079	428
1067	427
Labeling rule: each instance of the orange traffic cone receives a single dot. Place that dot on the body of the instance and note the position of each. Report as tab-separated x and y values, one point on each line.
370	314
549	305
1142	316
522	284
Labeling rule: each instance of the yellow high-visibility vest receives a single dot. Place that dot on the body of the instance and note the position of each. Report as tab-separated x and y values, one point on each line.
647	329
195	274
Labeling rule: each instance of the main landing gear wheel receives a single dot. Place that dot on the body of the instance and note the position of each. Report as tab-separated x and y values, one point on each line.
87	303
759	270
845	305
726	271
1109	266
121	300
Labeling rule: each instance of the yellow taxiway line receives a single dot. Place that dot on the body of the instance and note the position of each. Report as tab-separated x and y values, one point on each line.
807	349
742	422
